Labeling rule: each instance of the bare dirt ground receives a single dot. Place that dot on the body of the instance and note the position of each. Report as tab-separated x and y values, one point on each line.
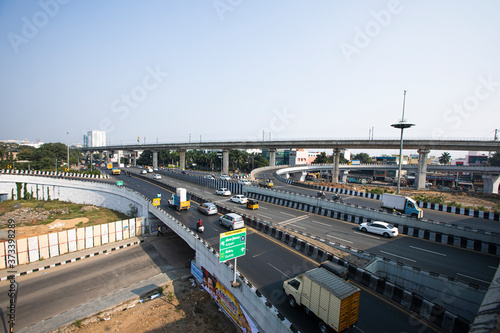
183	307
57	225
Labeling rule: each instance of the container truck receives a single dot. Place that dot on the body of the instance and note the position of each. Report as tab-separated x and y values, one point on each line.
180	200
401	204
333	300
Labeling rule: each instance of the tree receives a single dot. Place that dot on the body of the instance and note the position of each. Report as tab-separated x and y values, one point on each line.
495	159
445	158
364	158
321	158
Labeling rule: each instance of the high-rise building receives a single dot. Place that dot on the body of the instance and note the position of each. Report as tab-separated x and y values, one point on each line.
94	139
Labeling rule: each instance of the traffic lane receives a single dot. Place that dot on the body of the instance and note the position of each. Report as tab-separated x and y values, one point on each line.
477	271
50	292
462	220
268	264
282	262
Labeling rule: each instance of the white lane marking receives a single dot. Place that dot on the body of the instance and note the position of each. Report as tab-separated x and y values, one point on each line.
263	207
278	270
369	236
265	216
297	226
344	240
473	278
208	192
325	224
395	255
296	219
418	248
288	214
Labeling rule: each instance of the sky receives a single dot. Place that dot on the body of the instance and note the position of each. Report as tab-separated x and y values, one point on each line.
174	71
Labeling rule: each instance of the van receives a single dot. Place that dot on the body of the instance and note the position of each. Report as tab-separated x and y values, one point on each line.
336	269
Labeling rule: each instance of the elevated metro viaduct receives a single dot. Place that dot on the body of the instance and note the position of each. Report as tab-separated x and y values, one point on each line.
423	147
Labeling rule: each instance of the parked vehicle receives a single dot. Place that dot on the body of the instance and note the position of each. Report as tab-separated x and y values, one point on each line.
223	191
265	182
232	221
322	293
239	198
208	208
401	204
380	228
181	200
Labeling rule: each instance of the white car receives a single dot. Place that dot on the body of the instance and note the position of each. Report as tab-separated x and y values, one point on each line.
224	177
144	171
241	199
157	176
380	228
244	182
223	191
208	177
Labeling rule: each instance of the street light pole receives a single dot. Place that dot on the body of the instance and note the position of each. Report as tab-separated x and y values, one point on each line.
67	144
402	124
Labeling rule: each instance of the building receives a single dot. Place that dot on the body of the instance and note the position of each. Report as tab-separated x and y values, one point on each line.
94	139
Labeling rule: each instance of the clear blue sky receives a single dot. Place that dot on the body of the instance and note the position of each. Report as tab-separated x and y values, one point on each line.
233	69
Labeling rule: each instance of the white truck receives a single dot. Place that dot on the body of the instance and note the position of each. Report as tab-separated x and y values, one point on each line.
333	300
402	204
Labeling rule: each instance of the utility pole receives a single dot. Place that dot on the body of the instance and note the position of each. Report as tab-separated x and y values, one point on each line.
67	144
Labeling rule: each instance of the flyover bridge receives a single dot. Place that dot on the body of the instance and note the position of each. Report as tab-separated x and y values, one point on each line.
422	146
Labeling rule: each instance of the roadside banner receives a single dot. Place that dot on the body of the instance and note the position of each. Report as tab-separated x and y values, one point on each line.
227	302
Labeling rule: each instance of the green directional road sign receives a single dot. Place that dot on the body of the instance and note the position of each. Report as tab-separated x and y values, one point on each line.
119	183
232	244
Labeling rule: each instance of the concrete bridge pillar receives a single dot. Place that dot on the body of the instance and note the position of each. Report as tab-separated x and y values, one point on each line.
225	161
182	162
101	157
272	156
155	159
134	158
422	168
491	183
343	176
336	162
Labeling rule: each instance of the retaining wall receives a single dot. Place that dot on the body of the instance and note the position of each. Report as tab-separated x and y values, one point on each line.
36	248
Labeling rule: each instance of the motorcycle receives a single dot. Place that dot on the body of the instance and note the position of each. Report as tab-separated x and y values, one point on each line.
321	195
200	229
337	198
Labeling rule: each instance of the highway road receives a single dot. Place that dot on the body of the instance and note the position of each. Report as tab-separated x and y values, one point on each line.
461	220
427	255
50	292
268	263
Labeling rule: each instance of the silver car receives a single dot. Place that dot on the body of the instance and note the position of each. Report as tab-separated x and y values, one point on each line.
232	221
208	208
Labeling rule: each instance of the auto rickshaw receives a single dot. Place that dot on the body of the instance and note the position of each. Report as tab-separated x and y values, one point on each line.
252	204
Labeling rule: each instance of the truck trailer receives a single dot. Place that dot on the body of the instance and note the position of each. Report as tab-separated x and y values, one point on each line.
401	204
180	200
332	299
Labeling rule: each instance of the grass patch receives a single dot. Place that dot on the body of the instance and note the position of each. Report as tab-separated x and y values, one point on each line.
65	211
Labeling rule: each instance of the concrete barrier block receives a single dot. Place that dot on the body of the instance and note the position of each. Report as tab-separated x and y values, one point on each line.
97	235
22	251
426	309
33	250
72	240
80	239
389	289
63	242
89	237
111	232
53	245
406	299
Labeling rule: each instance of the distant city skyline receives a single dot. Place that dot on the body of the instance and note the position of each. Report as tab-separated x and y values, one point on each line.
172	70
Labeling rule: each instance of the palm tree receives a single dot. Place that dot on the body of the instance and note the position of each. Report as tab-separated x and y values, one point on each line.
445	158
